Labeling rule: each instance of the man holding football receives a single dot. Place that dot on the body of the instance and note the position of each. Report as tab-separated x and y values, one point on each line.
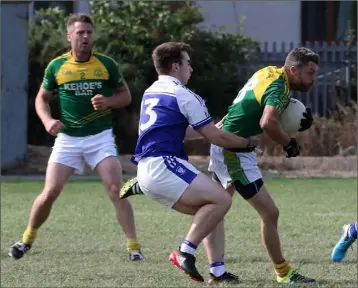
257	109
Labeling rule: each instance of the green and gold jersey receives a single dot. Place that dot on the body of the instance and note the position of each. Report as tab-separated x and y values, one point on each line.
268	86
76	84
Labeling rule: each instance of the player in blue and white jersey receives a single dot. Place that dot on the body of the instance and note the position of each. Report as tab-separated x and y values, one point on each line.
169	113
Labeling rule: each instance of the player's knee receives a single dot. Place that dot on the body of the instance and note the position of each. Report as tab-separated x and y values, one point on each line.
225	200
50	194
113	192
271	215
221	197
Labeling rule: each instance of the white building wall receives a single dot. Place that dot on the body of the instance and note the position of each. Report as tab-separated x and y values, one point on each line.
265	20
81	6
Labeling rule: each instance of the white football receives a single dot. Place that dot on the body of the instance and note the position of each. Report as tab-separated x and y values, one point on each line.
291	117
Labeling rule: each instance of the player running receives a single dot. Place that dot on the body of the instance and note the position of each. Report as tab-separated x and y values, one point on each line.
89	85
170	111
257	109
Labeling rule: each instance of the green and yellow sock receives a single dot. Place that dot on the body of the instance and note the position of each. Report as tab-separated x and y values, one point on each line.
282	269
29	235
132	245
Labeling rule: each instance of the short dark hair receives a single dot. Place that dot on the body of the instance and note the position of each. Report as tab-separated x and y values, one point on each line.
300	56
79	17
168	53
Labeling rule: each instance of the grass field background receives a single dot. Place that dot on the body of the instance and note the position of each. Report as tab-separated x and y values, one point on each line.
82	245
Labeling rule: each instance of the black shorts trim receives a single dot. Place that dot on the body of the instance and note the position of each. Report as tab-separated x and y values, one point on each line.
249	190
246	191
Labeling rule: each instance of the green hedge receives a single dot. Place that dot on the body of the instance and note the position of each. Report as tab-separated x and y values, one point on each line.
128	32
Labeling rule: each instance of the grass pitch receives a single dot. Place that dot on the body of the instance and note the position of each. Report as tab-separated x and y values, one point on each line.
81	244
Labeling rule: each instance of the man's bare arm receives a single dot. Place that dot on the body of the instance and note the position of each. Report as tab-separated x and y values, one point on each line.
42	107
191	134
42	104
121	97
270	123
225	139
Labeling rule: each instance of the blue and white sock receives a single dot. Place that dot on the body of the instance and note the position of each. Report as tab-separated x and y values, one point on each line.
352	232
217	268
188	247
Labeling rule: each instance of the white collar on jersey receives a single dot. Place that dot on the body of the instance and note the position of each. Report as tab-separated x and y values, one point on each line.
168	78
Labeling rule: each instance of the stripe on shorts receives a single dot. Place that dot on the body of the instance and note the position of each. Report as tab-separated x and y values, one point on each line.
179	169
236	172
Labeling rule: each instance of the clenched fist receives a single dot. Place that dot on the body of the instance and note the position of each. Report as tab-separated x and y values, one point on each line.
99	102
53	126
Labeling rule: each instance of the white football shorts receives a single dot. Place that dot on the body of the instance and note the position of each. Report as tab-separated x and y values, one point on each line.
75	151
232	166
164	179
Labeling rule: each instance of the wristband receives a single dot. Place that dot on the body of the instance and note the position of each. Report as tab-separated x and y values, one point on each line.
249	142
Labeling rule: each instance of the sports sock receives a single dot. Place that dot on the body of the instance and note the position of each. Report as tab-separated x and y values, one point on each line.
217	268
352	232
282	269
188	247
132	245
29	235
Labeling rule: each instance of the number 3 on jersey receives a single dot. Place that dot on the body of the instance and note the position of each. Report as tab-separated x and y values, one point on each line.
250	85
147	109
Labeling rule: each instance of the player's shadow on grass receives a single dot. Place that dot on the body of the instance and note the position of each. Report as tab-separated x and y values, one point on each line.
345	284
258	282
296	261
5	254
304	261
239	259
264	282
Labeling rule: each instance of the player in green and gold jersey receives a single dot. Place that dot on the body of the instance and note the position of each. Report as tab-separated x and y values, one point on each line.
77	84
89	85
255	110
